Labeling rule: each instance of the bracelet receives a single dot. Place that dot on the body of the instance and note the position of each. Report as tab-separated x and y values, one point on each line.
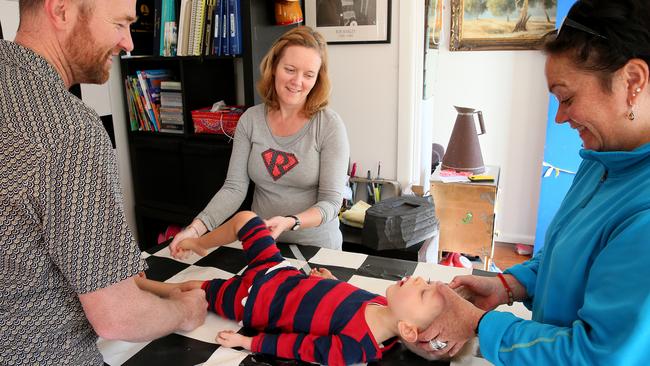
511	296
479	323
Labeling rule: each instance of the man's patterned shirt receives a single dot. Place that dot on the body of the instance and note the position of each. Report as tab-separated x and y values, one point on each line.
62	225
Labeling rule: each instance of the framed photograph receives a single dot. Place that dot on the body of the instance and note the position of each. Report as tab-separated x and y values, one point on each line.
432	35
500	24
350	21
432	24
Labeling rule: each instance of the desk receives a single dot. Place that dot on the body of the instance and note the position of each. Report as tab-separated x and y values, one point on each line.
467	214
198	347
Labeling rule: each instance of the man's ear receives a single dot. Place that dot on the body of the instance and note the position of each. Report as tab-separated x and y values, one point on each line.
407	331
60	13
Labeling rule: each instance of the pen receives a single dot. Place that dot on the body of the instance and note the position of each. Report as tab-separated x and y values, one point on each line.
371	189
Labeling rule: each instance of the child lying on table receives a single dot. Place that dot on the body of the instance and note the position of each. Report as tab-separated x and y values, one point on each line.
314	318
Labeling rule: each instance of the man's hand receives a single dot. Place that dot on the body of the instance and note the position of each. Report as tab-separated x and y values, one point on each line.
229	338
455	325
279	224
193	305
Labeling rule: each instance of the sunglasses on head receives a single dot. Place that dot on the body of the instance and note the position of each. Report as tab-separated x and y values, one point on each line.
570	23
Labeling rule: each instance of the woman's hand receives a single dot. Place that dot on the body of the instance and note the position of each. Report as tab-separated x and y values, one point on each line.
189	232
454	326
229	338
485	292
279	224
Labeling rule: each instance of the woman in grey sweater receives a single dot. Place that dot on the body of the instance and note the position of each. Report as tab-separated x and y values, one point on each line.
292	147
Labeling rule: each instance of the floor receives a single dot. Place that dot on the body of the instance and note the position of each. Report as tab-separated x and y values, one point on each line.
505	255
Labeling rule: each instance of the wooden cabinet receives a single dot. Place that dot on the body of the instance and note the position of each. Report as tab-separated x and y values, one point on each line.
467	215
175	175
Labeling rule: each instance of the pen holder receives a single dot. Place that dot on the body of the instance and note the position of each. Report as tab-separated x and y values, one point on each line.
387	189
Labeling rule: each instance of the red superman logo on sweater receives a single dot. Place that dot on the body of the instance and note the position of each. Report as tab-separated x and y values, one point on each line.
278	163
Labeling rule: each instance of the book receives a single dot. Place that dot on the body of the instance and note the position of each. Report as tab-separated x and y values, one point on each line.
235	27
155	47
198	22
184	27
168	31
142	30
225	25
207	33
216	42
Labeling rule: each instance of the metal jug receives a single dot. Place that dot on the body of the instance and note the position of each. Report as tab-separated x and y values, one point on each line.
463	150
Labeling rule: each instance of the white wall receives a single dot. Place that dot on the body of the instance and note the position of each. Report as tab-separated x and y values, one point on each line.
510	88
9	18
364	92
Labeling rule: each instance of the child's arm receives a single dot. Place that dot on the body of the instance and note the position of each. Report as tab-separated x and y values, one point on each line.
163	289
326	350
224	234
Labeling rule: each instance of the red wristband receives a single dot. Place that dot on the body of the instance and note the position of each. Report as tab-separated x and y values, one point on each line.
511	296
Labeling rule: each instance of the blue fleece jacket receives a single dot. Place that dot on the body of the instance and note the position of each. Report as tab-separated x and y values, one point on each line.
589	287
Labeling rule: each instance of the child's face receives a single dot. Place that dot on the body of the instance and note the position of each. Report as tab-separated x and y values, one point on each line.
415	300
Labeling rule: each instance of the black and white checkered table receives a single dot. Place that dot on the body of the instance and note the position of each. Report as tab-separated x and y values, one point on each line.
198	347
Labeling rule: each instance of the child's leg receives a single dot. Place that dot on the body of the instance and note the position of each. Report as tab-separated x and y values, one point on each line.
163	289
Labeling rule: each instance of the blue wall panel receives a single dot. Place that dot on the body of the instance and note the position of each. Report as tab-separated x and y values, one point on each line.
560	150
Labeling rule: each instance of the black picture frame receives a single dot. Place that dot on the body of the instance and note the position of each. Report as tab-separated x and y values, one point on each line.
350	21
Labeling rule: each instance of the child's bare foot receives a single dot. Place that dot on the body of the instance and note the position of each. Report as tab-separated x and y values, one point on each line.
322	272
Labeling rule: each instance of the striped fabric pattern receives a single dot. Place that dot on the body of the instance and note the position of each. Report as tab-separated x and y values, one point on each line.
302	317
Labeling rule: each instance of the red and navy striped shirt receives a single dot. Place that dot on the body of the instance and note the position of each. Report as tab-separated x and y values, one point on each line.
303	317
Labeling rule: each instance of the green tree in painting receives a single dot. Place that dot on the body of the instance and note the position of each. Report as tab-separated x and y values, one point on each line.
523	14
501	7
474	7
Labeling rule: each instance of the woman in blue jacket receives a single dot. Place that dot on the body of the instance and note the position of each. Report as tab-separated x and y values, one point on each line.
589	287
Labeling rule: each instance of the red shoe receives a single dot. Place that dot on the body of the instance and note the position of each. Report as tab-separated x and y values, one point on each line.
454	259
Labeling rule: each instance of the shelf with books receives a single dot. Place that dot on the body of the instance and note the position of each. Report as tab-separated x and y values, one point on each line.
176	174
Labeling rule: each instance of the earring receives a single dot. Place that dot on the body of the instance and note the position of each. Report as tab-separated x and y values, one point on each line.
631	116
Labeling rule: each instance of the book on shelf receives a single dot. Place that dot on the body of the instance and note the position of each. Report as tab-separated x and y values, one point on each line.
184	27
198	24
218	26
208	39
225	25
234	13
143	29
144	98
171	107
168	31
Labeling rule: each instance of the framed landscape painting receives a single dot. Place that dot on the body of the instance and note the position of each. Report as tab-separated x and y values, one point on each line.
500	24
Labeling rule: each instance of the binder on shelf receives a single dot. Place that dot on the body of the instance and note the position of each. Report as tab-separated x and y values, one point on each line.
218	20
206	47
235	27
225	25
184	21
